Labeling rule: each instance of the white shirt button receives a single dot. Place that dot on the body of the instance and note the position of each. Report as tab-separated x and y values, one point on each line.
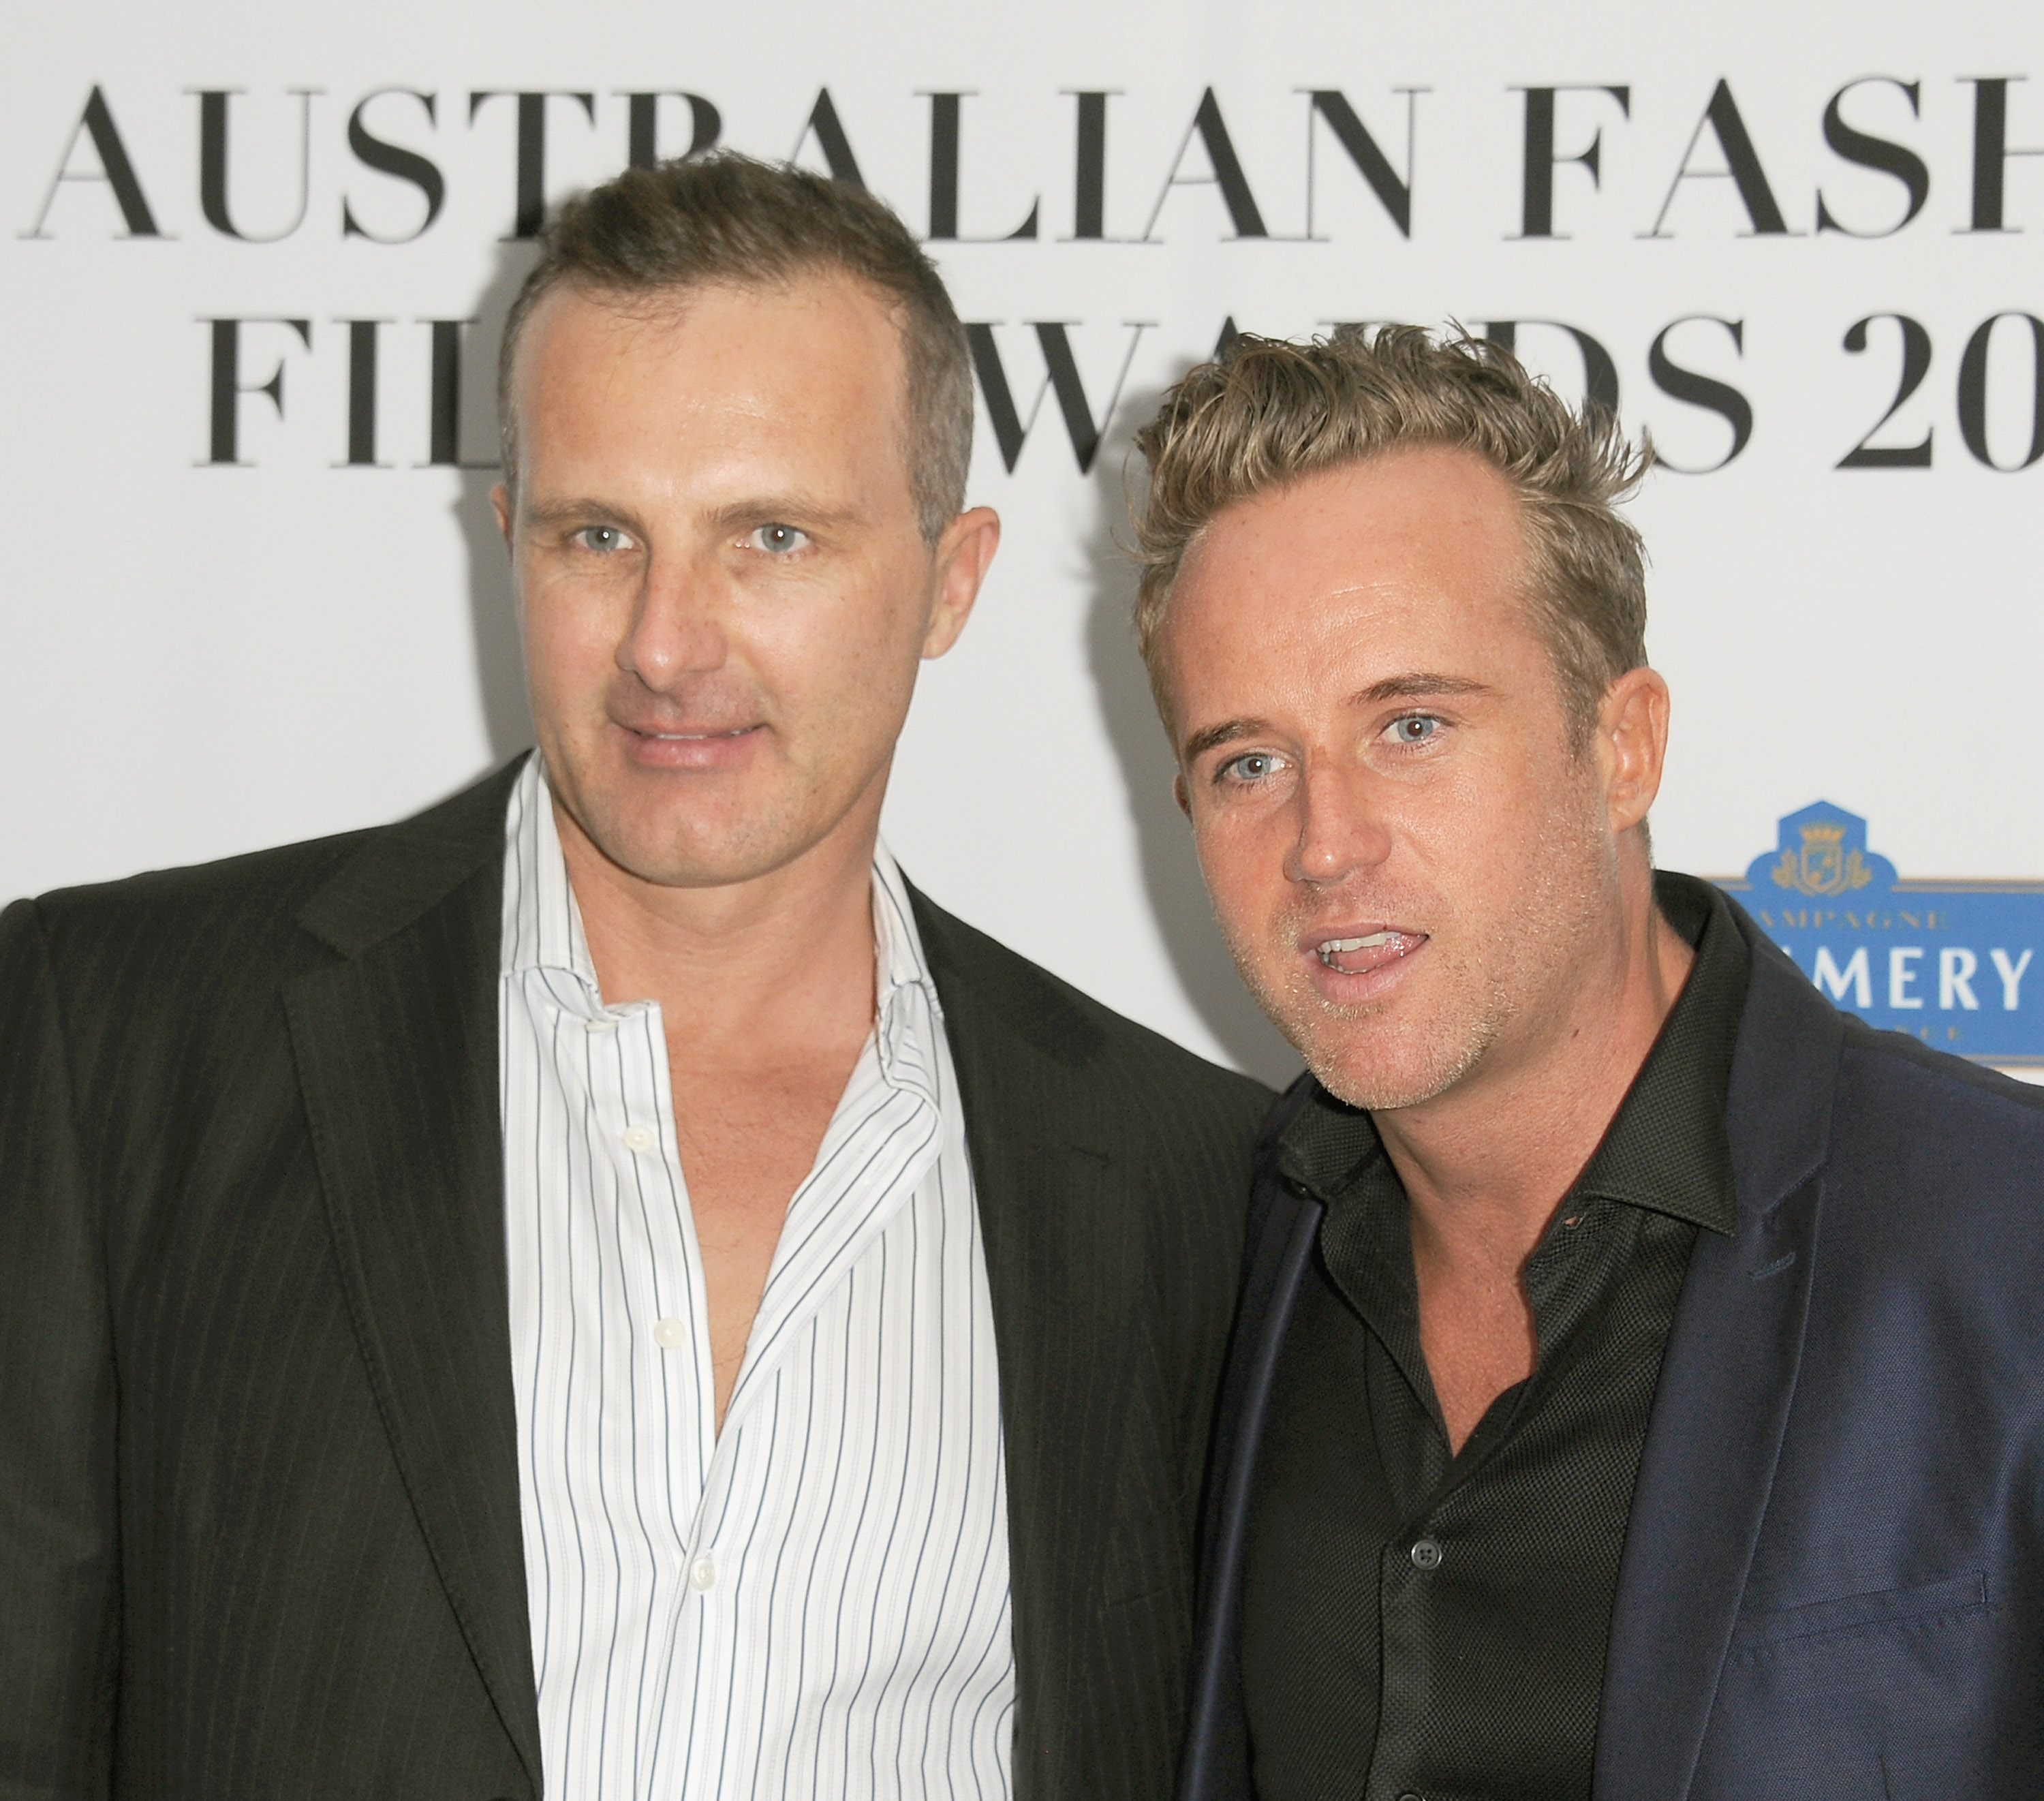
702	1573
669	1333
640	1138
603	1022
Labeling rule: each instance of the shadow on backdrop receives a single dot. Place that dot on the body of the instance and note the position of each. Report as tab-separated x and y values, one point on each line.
1171	880
500	664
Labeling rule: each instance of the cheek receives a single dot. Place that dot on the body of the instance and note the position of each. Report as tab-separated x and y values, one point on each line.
847	662
1242	854
569	633
1513	843
550	655
1482	811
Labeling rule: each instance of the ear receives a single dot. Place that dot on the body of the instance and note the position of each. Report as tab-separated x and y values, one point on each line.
962	557
1182	795
500	504
1632	745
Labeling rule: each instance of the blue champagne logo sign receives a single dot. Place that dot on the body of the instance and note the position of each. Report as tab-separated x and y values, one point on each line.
1954	962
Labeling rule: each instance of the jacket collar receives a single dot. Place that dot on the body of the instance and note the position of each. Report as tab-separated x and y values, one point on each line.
1785	1074
400	871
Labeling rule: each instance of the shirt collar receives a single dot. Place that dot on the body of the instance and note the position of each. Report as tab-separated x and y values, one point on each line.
542	924
542	930
1666	1149
908	1019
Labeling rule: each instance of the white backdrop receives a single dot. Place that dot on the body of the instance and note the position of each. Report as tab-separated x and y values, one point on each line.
234	617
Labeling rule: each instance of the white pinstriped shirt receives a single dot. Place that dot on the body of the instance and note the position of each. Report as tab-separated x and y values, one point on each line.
814	1602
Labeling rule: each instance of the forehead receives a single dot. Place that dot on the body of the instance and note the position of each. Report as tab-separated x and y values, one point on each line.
814	362
1425	513
1418	550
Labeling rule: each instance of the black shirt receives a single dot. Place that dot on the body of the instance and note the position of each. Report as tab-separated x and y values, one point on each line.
1420	1624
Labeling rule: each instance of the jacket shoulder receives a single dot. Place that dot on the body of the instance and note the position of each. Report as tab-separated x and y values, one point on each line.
249	910
1814	1084
1928	1092
151	992
150	916
1941	1163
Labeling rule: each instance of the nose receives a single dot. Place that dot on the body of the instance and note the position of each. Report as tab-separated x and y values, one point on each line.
677	626
1340	829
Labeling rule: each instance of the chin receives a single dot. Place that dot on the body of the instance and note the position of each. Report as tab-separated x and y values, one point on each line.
1380	1086
678	846
694	858
1379	1062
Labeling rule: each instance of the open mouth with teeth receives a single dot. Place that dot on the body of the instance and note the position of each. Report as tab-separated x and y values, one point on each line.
1358	956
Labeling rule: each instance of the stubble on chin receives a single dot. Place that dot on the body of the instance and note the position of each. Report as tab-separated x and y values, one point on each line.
655	839
1382	1054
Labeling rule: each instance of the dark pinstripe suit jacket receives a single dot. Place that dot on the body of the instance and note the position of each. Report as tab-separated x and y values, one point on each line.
259	1502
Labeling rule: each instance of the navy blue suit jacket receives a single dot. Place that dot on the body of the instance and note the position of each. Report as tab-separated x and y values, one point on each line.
1833	1579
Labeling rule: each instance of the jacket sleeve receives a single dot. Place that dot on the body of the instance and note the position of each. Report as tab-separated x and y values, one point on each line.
59	1543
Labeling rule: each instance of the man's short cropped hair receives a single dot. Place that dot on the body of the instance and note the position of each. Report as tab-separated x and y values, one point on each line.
1266	413
733	220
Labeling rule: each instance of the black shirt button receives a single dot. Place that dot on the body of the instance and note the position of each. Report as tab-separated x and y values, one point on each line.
1408	1796
1426	1554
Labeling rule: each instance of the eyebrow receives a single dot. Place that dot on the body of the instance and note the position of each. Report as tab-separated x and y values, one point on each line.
795	510
562	512
1212	736
789	509
1418	684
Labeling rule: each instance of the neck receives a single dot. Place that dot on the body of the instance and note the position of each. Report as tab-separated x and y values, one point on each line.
744	972
1486	1163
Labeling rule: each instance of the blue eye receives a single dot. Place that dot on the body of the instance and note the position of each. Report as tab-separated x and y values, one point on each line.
1413	729
604	539
779	539
1252	766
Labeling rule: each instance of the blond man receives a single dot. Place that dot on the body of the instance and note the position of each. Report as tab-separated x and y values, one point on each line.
1636	1391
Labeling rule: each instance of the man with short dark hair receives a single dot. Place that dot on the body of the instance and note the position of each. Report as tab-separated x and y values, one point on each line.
1636	1392
603	1289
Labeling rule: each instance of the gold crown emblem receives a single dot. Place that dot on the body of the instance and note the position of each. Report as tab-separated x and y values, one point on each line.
1823	866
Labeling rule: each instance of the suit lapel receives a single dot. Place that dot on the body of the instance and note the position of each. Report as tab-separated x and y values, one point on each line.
1283	1228
1727	1378
396	1051
1066	1269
